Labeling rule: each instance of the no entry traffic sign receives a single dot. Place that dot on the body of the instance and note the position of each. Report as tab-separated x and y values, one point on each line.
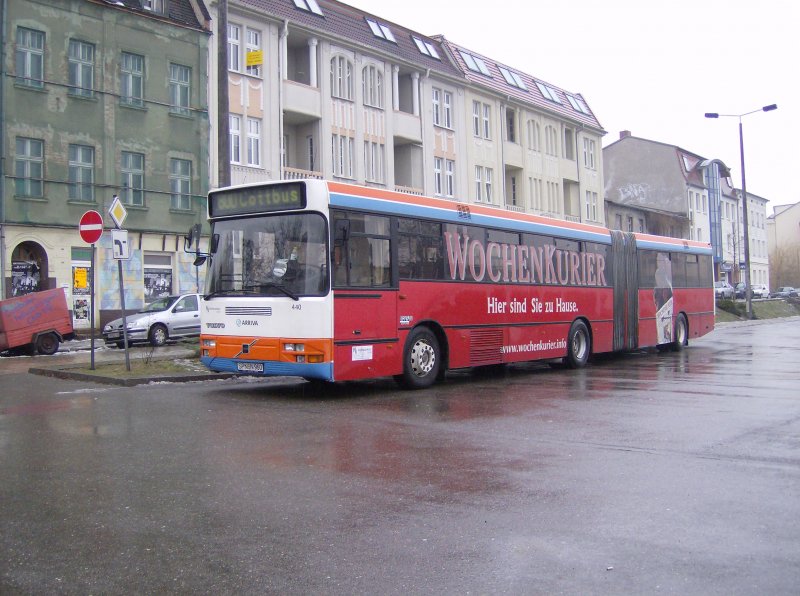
91	227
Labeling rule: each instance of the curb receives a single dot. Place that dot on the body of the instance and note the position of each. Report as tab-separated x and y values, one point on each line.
65	373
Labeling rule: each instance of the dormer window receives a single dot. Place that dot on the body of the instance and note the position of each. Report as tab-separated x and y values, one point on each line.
380	30
156	6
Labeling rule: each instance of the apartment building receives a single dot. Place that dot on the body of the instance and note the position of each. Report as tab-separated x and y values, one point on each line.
102	99
317	88
673	192
783	245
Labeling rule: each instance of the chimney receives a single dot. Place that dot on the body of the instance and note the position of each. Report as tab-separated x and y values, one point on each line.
624	133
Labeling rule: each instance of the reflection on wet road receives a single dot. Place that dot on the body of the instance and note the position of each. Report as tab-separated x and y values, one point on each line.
642	473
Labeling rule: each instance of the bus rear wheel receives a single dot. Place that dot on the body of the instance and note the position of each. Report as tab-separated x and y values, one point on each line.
579	345
422	360
681	333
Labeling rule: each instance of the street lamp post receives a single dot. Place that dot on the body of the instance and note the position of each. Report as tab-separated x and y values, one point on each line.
745	225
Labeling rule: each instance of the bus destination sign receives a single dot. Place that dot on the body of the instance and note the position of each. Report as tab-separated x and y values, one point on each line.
257	199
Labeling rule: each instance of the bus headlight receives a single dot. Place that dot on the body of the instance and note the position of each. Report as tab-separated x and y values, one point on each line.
294	347
209	343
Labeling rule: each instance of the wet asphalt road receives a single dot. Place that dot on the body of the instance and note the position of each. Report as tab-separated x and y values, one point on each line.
643	474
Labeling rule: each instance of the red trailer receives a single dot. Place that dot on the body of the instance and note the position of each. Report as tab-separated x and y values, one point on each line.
40	320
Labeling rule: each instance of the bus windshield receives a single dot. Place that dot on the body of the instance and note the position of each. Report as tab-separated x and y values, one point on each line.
270	255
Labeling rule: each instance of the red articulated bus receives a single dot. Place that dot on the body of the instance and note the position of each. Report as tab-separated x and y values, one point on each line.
337	282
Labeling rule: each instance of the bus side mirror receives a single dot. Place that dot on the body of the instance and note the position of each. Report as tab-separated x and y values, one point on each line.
193	238
214	244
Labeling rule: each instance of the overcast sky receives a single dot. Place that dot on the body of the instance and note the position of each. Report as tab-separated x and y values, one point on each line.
651	68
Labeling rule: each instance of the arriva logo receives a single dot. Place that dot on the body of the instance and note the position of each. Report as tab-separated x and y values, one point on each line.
246	323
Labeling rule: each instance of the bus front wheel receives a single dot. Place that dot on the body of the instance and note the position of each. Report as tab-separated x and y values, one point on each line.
422	359
579	345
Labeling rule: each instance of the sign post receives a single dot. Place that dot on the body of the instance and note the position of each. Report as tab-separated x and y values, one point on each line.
90	228
119	237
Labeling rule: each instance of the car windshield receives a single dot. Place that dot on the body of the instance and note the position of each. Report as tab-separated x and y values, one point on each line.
271	255
160	305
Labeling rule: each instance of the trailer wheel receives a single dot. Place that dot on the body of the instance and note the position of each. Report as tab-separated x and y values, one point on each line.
422	359
47	344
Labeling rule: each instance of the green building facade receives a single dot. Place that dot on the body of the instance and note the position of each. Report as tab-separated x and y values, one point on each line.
102	99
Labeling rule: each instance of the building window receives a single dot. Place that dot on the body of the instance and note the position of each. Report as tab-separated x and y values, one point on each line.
131	79
478	183
132	179
487	121
641	225
569	143
234	41
589	148
511	125
29	167
81	68
551	141
30	57
308	6
512	78
341	78
618	221
481	120
179	88
342	155
448	109
425	47
536	193
381	31
373	161
548	92
450	178
438	164
157	271
533	135
157	6
180	184
235	130
372	86
476	118
630	223
591	206
253	142
81	173
437	106
474	63
488	185
253	55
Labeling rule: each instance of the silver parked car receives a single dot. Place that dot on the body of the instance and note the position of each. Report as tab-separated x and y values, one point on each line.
169	317
723	290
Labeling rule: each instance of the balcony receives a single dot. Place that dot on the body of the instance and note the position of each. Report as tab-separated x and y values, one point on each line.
407	127
298	174
301	103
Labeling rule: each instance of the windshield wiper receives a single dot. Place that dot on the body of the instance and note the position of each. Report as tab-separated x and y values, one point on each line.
277	286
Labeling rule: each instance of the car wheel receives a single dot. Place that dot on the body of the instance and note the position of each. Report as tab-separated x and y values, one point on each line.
158	335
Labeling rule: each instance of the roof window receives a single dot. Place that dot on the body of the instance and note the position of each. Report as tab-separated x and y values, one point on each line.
474	63
578	104
426	48
381	30
512	78
309	6
548	92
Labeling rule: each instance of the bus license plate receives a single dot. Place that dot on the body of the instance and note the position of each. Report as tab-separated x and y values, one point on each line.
250	366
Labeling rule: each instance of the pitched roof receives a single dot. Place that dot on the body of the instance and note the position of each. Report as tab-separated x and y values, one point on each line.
346	22
521	86
179	12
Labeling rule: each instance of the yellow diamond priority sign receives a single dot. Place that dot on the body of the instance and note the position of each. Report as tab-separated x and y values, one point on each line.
117	212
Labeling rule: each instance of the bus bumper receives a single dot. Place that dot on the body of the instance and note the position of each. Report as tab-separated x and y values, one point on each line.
322	371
